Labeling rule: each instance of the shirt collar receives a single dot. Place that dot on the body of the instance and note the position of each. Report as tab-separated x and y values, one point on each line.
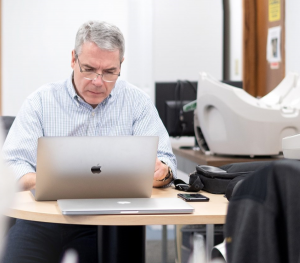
114	91
71	88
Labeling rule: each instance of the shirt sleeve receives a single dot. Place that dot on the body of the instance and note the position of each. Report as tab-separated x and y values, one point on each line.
20	146
149	123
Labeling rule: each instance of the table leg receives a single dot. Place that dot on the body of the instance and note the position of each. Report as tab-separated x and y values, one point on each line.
164	246
118	244
209	241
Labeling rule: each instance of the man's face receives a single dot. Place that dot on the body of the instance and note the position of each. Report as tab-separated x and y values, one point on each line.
92	58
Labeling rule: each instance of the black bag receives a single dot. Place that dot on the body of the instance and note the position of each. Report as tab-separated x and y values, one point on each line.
219	180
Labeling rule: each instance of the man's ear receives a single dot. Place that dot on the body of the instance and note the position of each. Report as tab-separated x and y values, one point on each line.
122	60
73	59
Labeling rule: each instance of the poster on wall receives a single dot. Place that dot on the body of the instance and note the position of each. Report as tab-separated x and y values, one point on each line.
274	10
273	46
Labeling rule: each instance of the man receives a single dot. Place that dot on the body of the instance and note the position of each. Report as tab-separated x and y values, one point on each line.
92	102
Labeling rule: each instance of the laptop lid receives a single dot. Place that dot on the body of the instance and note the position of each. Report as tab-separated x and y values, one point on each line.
113	206
95	167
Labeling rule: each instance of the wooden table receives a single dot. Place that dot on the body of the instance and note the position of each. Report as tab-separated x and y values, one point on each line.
199	157
208	213
212	212
188	159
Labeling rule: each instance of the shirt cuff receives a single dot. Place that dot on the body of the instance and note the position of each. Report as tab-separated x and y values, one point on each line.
20	169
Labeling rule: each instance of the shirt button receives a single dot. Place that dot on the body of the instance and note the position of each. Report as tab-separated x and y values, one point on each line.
93	113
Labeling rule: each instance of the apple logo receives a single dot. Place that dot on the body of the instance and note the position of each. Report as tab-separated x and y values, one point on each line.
96	169
124	202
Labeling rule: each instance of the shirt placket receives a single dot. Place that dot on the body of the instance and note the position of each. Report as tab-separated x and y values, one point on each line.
91	131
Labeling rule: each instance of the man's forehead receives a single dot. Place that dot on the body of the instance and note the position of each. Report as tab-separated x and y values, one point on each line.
96	58
89	48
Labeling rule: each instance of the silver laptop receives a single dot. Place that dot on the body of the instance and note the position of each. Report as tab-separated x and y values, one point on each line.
115	206
95	167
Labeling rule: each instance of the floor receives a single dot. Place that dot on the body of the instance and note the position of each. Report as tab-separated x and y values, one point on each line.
154	235
154	244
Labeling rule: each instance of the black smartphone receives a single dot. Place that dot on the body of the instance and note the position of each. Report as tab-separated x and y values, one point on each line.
193	197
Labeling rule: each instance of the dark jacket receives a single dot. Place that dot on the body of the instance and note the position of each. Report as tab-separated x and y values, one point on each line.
263	219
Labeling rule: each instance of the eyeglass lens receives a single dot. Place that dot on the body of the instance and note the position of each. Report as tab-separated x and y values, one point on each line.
105	77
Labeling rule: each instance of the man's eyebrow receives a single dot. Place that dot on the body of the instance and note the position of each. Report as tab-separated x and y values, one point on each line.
110	69
87	66
90	67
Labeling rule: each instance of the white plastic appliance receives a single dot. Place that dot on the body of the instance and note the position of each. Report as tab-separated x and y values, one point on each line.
291	147
232	122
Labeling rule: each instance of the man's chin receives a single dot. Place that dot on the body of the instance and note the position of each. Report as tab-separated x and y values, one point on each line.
94	102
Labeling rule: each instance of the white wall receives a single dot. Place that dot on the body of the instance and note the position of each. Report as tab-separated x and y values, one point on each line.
292	44
139	50
173	39
37	40
188	38
236	40
165	41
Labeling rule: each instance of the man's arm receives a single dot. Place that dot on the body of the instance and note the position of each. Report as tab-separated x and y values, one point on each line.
20	147
27	182
148	123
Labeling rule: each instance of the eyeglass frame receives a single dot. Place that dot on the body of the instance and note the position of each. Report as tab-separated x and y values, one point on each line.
97	74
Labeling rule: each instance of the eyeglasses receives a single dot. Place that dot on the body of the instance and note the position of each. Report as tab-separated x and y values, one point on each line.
90	75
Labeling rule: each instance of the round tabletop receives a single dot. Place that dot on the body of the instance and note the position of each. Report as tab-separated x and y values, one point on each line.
212	212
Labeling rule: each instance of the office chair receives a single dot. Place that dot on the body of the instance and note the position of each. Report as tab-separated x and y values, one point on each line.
5	124
262	223
7	184
6	121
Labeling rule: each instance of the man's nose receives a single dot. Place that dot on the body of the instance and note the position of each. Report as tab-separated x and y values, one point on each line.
98	81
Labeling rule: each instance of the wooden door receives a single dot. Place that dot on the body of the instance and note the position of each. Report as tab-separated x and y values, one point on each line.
262	73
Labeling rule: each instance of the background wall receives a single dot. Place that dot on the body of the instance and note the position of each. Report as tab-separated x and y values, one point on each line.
236	37
165	41
292	30
187	38
37	39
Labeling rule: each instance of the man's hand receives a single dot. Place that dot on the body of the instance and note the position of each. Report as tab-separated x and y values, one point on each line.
27	182
161	171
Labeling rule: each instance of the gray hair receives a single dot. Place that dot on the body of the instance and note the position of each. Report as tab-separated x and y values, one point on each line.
106	36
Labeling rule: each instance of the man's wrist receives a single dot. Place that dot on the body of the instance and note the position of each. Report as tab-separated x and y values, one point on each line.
168	175
27	181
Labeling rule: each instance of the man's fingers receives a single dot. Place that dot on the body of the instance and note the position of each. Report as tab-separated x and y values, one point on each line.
157	164
160	170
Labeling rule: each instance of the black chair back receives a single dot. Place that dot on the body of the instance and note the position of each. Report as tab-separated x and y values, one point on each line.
6	122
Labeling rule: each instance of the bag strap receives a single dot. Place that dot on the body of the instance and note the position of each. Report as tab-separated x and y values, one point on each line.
196	186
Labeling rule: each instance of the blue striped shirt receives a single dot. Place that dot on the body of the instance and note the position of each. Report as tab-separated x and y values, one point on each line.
56	110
